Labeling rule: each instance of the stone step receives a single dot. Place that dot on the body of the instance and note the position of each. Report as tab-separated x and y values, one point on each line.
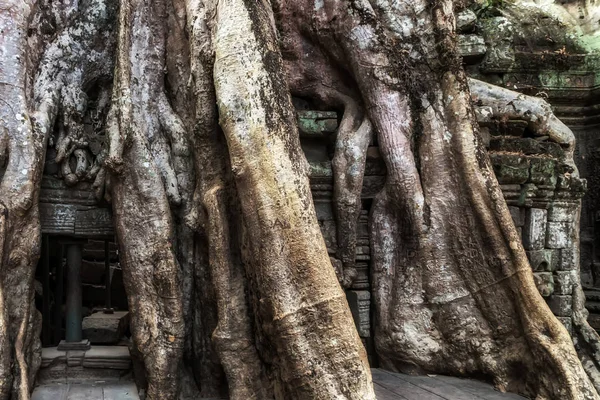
101	328
105	363
92	390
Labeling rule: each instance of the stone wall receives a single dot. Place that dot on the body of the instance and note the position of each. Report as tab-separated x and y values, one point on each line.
543	196
544	201
550	52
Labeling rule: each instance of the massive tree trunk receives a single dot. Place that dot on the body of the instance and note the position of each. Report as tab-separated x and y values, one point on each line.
225	267
22	149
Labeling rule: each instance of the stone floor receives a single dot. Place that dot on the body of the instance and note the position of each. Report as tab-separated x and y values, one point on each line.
388	386
98	390
392	386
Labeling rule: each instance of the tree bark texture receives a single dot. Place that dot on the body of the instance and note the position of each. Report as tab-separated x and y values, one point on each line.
230	286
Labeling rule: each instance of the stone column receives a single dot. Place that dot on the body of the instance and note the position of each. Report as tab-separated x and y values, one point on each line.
74	315
74	335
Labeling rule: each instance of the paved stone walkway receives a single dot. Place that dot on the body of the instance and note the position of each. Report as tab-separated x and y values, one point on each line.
392	386
87	391
388	386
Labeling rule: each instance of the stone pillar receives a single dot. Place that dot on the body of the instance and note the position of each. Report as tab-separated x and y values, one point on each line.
74	336
74	315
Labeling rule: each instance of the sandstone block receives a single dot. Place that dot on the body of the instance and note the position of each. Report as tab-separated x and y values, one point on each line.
543	171
510	169
465	20
561	305
101	328
564	281
559	235
562	213
534	231
568	259
471	46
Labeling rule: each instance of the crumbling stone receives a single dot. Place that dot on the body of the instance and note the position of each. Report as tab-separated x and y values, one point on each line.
561	305
510	168
564	281
542	171
315	123
471	46
465	20
544	260
568	259
562	212
101	328
498	33
544	282
526	146
534	231
560	235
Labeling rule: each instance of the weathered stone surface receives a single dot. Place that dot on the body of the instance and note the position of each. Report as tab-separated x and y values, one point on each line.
542	171
77	220
544	283
534	231
101	328
51	355
360	303
499	34
111	357
58	218
75	357
465	20
564	281
568	259
562	212
54	191
320	169
528	146
561	305
471	46
518	215
94	222
510	168
559	235
315	123
572	184
362	277
544	260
